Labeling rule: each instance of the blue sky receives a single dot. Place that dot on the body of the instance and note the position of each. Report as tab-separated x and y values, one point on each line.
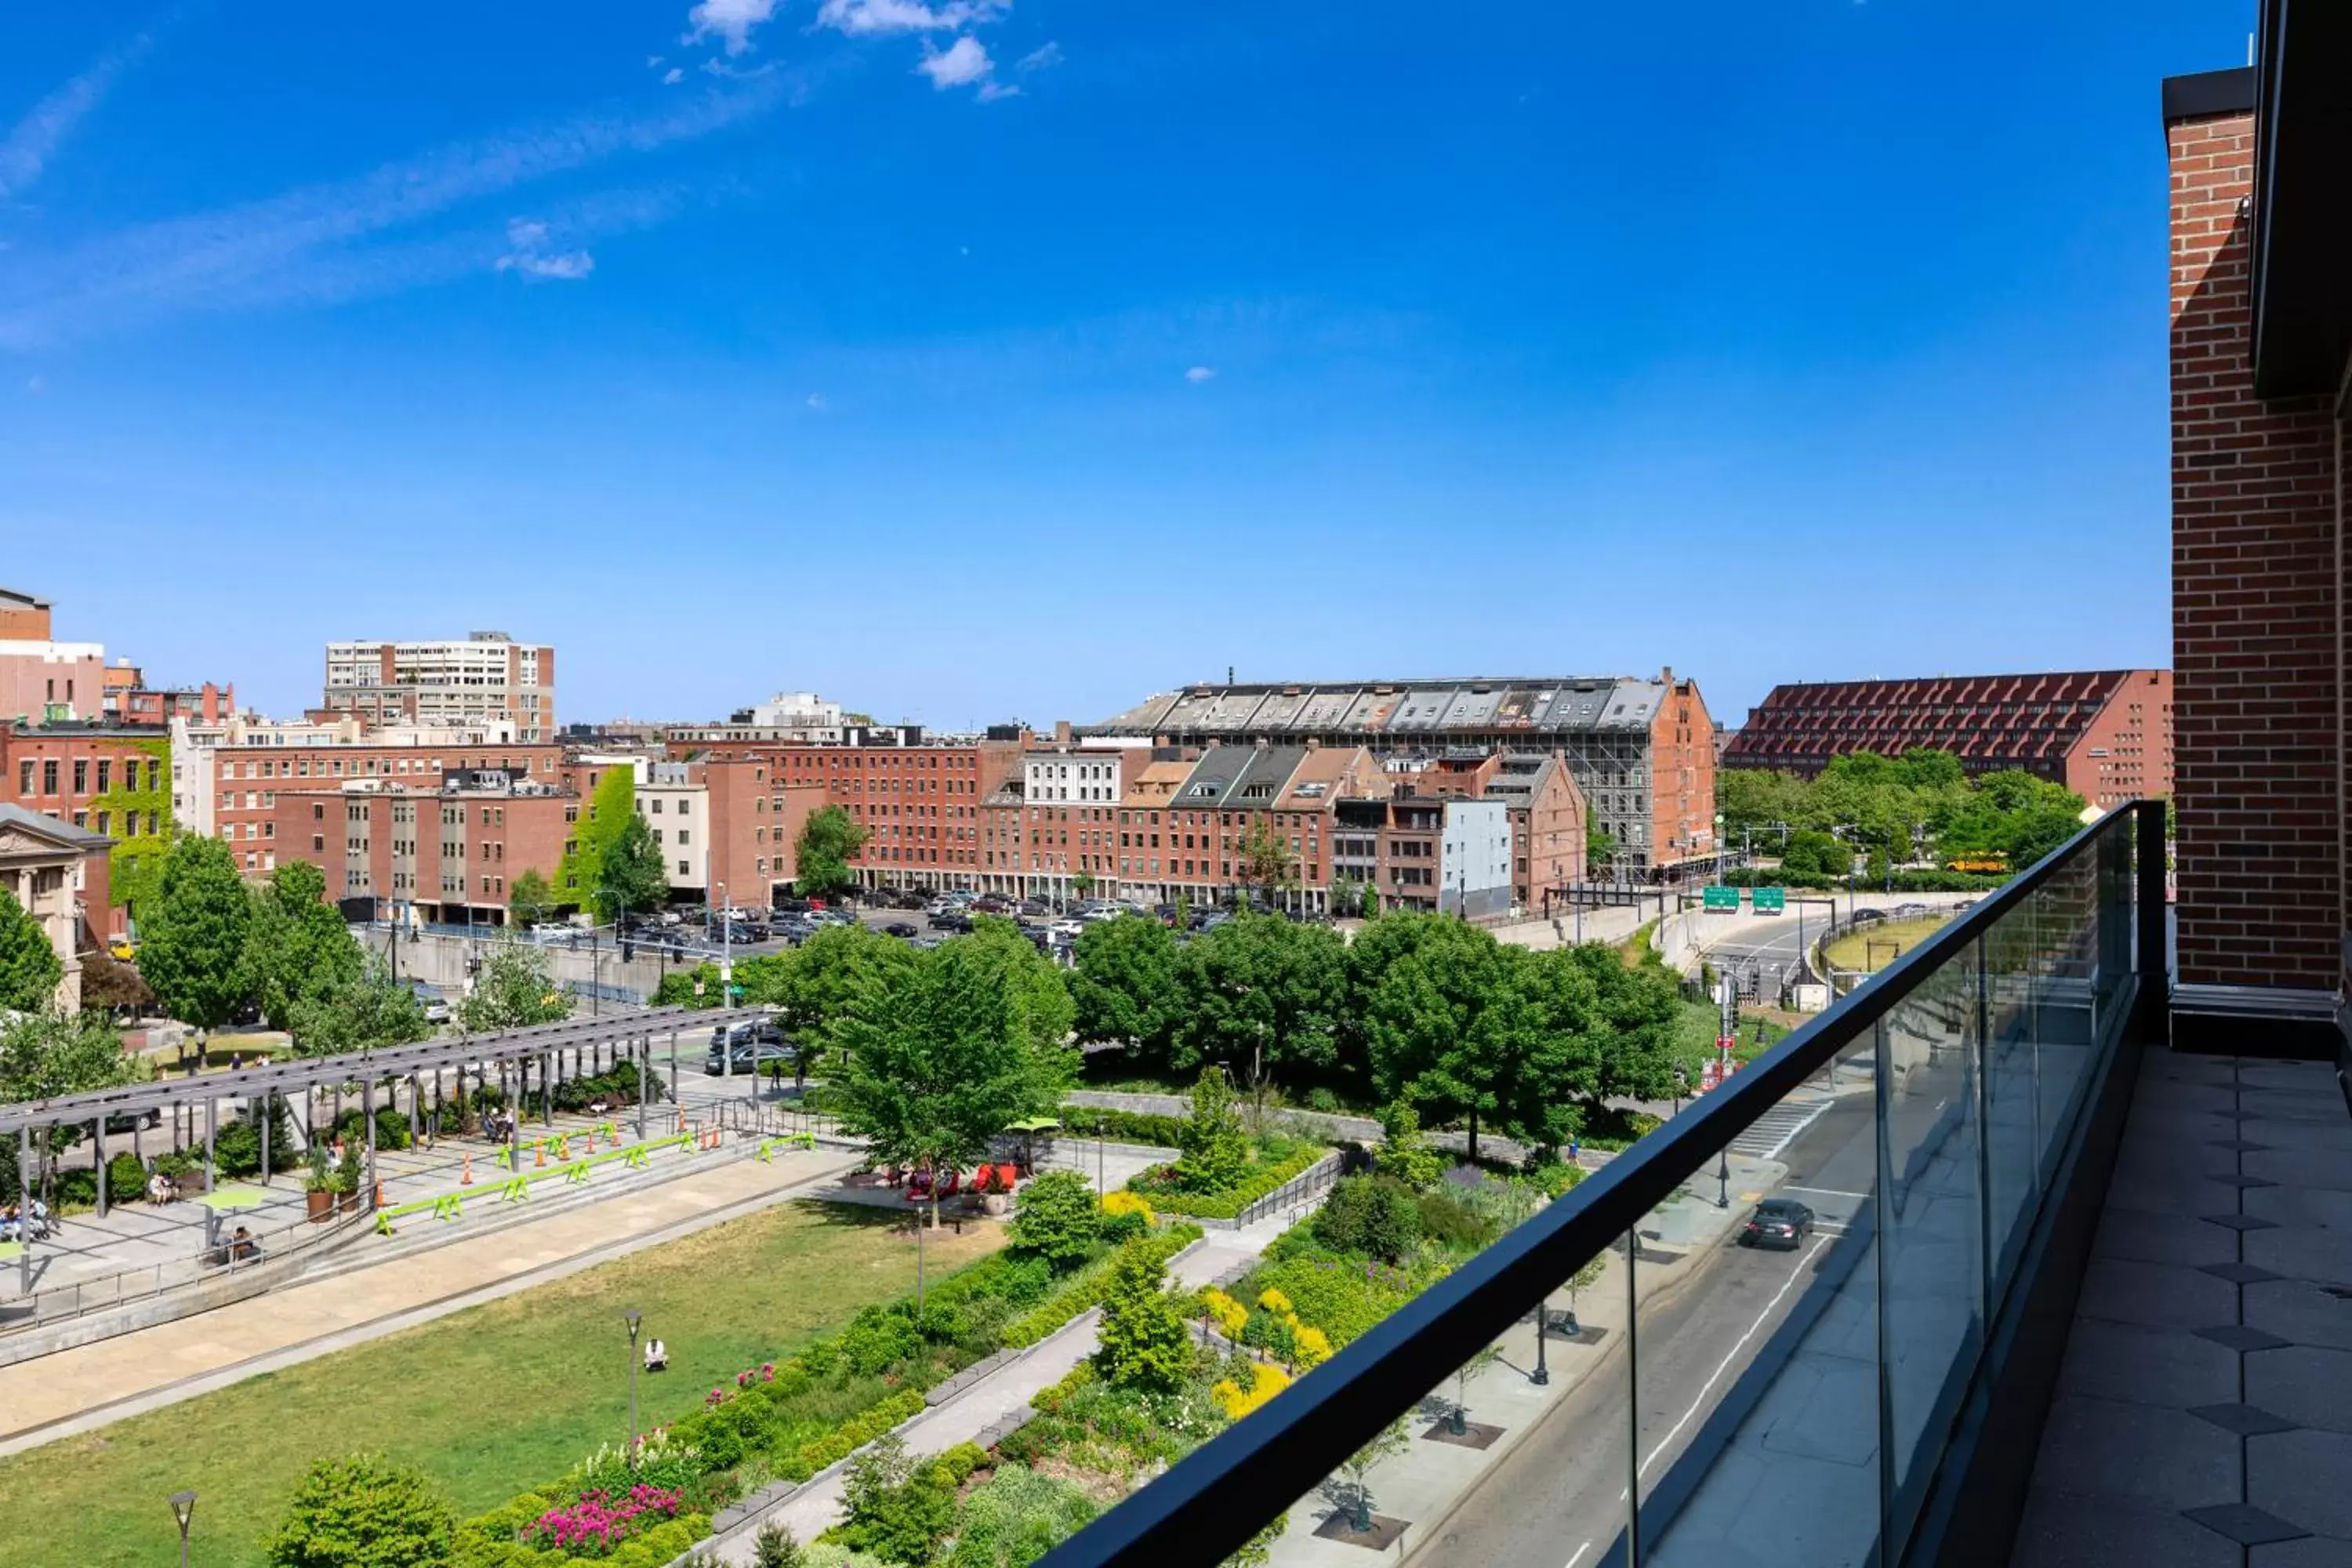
968	360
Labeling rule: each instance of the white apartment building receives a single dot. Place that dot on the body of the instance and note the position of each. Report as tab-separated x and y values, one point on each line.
487	677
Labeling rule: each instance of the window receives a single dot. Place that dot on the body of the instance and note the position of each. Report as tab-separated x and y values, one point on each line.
82	777
682	869
105	774
50	777
25	778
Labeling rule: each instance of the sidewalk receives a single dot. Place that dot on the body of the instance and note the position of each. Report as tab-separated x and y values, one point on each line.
815	1507
75	1389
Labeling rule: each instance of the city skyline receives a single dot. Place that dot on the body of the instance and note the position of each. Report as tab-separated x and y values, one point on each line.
967	363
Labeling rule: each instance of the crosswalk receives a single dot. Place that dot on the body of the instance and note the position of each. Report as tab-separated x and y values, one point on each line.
1771	1133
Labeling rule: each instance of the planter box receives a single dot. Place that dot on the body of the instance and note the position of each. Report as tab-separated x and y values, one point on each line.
322	1205
996	1205
347	1203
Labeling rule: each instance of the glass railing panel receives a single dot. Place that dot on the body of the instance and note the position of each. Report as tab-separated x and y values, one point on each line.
1931	1251
1757	1349
1521	1457
2065	1028
2114	917
2013	1097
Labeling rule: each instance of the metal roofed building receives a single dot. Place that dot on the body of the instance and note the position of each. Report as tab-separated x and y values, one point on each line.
2105	735
1641	749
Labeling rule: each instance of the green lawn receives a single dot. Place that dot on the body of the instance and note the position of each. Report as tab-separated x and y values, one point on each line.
1871	948
489	1401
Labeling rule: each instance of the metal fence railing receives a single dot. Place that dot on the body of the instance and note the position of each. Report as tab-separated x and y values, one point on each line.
222	1254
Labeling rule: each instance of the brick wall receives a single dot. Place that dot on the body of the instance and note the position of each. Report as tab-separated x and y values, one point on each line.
2256	627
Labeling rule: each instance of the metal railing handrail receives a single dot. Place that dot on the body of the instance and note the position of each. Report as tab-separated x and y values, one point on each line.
1219	1496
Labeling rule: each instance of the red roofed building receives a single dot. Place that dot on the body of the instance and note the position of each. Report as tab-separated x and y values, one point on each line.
2105	735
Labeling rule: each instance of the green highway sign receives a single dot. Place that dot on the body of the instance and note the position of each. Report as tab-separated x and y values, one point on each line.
1721	898
1771	900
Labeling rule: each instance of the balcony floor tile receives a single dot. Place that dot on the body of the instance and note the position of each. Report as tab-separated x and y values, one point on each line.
2309	1388
2062	1530
2301	1476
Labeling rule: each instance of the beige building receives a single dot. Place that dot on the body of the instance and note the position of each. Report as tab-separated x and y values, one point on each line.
58	872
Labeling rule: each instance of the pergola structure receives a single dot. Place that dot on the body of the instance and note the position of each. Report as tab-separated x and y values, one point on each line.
517	1060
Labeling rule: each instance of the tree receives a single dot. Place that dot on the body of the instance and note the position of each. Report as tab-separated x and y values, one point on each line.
295	942
1213	1151
530	899
30	970
1404	1152
193	947
1055	1217
941	1062
1633	1023
515	990
1265	862
1124	986
1082	883
1366	1214
823	981
1599	850
829	840
632	874
1444	1025
776	1547
364	1512
1040	1001
48	1054
366	1011
610	809
112	985
1142	1342
1391	1440
1266	993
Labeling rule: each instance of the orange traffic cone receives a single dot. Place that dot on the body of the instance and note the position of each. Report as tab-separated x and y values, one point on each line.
467	1180
592	1141
542	1151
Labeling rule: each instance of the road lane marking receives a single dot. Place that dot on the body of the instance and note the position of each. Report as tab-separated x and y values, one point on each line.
1826	1192
1731	1354
1579	1554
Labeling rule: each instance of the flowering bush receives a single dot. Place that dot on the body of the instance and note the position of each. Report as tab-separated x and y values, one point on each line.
596	1523
1228	1314
662	1461
716	1397
1310	1344
1127	1203
1266	1380
1274	1301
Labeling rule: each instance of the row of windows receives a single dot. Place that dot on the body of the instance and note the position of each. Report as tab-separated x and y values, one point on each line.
105	823
47	771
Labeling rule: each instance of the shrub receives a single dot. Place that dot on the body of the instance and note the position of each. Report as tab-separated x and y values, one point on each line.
598	1521
893	1509
1125	1217
1088	1287
776	1547
852	1435
1453	1224
1054	1218
76	1189
1215	1150
1142	1343
1018	1518
1129	1126
1404	1153
126	1179
364	1512
1266	1380
877	1340
1370	1217
1341	1296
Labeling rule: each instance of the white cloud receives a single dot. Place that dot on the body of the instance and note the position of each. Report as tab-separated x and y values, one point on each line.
34	139
35	386
817	403
653	62
1042	58
876	16
1199	374
328	242
961	64
672	77
531	256
731	21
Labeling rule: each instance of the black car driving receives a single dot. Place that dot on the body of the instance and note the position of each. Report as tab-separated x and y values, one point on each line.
1778	1222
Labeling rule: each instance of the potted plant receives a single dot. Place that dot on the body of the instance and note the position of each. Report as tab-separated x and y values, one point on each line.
995	1186
347	1181
319	1186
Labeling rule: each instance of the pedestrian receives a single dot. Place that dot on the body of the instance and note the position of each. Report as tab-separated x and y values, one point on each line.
1572	1146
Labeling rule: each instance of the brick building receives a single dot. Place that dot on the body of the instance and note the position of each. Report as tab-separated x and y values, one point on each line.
486	677
2261	348
247	782
2105	735
1641	751
43	680
110	782
449	847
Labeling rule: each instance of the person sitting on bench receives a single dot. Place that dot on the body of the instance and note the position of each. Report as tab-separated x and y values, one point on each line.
657	1356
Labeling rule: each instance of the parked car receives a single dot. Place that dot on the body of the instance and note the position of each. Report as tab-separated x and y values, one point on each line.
435	1005
553	933
951	920
747	1058
1783	1223
753	1031
786	904
1068	930
901	929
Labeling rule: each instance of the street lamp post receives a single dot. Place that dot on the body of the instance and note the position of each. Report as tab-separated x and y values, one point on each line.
184	1509
635	1318
1541	1376
1723	1180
